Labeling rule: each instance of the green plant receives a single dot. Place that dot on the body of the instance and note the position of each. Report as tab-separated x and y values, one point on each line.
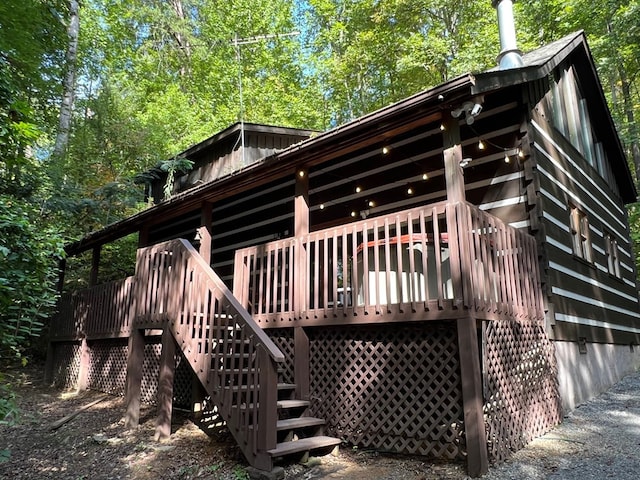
239	473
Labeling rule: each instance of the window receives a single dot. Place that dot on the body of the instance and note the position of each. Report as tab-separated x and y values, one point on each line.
613	260
580	234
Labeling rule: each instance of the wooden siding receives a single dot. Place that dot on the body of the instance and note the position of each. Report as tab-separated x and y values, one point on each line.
587	301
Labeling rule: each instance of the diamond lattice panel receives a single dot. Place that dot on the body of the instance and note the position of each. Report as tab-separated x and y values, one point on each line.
66	364
108	366
520	386
182	382
150	370
394	389
283	338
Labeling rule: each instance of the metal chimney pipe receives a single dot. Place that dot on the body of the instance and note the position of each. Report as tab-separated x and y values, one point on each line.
510	56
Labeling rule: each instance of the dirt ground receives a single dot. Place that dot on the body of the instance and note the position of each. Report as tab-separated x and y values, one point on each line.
96	445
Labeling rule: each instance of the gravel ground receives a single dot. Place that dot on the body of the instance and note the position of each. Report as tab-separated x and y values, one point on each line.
600	439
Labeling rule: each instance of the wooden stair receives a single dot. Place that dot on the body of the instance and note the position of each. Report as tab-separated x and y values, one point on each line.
233	358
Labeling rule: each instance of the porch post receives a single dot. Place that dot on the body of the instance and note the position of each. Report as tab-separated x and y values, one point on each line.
204	231
134	377
454	178
95	265
301	341
165	385
143	236
301	228
83	371
476	440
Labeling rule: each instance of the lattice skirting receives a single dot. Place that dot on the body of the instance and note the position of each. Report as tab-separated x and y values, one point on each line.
108	366
108	369
283	338
521	394
66	364
393	389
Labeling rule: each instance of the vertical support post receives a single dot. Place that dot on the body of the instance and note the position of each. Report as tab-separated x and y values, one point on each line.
454	178
301	363
268	415
301	228
85	360
134	377
62	267
143	236
204	231
49	365
95	266
165	385
476	439
301	341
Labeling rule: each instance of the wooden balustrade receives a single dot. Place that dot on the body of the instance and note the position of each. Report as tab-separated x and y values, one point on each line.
234	359
424	263
102	311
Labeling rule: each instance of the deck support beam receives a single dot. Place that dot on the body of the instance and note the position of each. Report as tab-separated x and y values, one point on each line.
134	378
165	385
476	439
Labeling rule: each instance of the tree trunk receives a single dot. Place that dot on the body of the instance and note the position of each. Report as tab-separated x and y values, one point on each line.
68	94
631	123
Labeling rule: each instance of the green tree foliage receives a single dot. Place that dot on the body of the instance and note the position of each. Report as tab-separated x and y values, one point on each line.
29	255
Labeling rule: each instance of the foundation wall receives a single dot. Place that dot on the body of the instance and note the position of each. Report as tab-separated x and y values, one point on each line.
582	376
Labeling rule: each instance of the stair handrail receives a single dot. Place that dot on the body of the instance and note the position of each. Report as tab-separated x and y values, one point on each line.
178	288
274	353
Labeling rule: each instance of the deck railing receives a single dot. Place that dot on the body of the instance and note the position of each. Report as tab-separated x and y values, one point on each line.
427	262
102	311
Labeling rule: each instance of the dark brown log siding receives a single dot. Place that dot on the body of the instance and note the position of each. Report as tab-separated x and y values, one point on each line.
581	291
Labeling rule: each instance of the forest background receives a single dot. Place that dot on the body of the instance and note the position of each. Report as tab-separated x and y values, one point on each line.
93	92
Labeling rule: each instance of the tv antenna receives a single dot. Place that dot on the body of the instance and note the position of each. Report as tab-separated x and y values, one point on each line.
237	43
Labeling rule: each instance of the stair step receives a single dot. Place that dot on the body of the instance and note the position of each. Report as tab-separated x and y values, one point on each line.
303	445
286	386
293	403
281	386
300	422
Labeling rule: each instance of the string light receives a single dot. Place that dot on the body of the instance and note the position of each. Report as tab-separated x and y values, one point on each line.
409	190
520	153
425	176
322	206
371	203
506	157
442	128
385	150
481	145
301	173
358	189
353	213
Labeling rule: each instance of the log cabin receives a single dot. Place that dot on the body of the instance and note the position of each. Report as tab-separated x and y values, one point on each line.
444	276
